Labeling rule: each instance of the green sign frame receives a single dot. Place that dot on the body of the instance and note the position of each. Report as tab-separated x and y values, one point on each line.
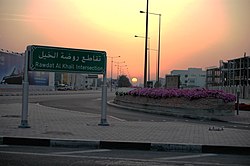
59	59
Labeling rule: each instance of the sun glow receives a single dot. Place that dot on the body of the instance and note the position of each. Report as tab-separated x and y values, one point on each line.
134	80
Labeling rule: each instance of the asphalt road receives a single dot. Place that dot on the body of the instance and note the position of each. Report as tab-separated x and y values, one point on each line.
90	102
46	156
87	102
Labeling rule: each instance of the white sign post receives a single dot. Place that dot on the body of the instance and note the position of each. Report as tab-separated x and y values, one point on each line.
25	97
104	102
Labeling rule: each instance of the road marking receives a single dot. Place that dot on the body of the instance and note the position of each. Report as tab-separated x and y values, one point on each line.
122	120
83	151
98	99
188	156
71	156
98	157
3	146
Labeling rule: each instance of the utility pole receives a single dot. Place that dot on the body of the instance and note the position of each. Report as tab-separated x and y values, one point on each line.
146	48
245	75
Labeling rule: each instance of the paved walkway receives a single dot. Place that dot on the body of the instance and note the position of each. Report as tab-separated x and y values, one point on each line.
246	101
55	123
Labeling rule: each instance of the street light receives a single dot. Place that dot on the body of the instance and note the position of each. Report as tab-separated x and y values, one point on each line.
156	63
159	41
128	73
121	68
112	57
118	64
148	49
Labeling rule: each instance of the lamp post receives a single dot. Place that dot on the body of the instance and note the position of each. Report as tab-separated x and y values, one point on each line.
159	42
128	73
121	68
118	65
148	49
245	75
238	97
156	76
112	57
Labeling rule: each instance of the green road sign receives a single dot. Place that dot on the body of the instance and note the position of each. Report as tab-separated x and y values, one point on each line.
56	59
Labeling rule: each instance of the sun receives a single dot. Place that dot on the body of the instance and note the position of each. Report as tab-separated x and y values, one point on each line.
134	80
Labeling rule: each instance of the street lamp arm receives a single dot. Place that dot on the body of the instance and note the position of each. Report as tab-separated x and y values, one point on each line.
142	37
158	14
114	56
120	62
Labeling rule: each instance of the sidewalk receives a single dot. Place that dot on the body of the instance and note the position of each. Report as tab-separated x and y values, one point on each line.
246	101
63	128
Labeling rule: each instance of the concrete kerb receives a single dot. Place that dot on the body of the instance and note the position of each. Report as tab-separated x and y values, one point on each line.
167	147
50	142
111	103
74	143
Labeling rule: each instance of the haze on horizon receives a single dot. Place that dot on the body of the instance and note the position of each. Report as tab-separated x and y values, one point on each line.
194	33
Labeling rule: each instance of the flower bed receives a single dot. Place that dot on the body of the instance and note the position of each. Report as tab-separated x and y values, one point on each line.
194	102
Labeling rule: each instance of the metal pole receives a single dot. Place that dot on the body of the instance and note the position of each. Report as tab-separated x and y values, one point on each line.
244	76
149	59
117	72
146	48
25	97
159	49
156	68
104	121
96	84
111	73
238	98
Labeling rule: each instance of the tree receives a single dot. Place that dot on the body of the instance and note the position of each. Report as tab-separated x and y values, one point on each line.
123	81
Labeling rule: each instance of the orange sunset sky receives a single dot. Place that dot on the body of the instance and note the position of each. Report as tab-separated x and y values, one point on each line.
194	33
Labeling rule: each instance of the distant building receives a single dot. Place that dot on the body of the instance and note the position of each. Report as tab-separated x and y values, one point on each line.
162	82
191	78
235	71
213	76
77	81
172	81
230	75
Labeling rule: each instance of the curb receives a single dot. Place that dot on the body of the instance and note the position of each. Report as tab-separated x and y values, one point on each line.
167	147
111	103
40	93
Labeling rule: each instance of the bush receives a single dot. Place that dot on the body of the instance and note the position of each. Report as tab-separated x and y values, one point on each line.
190	94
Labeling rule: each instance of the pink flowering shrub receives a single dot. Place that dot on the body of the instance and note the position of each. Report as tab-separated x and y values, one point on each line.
190	94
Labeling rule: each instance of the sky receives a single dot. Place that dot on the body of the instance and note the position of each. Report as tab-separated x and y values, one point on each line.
194	33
